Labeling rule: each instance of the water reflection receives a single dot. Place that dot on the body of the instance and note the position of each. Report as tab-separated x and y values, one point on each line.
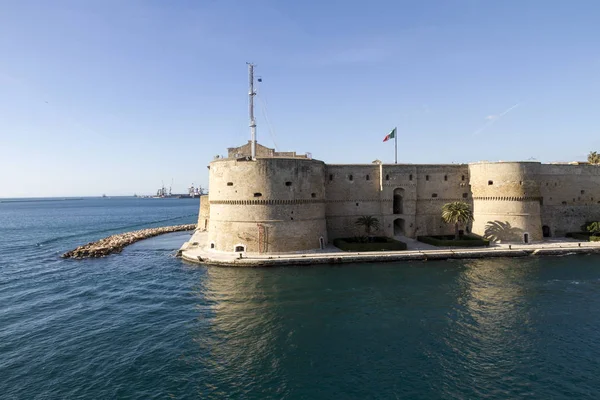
239	328
490	329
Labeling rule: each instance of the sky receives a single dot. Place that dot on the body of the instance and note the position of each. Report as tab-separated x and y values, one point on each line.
116	97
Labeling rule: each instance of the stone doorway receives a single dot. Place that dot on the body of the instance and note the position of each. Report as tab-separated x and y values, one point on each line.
546	231
399	227
398	207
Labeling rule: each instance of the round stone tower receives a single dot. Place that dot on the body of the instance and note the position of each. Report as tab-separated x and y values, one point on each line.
267	205
506	201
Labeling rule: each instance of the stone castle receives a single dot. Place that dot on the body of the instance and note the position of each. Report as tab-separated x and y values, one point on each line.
281	202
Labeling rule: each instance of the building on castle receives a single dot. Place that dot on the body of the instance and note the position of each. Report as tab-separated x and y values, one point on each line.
279	202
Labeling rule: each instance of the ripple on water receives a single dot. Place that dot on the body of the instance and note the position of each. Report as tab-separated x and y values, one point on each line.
142	324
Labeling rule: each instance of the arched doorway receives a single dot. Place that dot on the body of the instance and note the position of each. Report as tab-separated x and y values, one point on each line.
546	231
526	237
398	227
321	243
398	201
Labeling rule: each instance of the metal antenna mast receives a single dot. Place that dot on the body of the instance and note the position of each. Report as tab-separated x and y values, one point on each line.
251	95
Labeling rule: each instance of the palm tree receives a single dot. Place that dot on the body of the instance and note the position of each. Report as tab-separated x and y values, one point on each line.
457	213
594	158
368	222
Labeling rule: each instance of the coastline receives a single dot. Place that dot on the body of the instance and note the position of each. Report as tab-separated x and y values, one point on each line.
195	252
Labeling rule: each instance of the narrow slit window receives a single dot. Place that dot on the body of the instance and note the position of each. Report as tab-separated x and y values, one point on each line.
368	177
426	177
350	177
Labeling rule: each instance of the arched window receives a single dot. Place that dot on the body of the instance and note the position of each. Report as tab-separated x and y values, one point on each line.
387	177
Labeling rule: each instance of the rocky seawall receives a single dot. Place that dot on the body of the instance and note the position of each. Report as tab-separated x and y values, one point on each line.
116	243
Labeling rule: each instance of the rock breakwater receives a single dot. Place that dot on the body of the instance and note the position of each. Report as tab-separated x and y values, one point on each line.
116	243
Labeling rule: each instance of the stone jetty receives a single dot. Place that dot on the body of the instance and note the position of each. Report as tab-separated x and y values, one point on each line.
116	243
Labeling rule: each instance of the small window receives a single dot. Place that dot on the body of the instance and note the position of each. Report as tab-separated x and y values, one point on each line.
240	248
313	195
465	195
350	177
583	192
288	183
521	183
229	183
490	183
434	195
426	177
462	178
387	177
546	183
292	218
330	177
212	245
445	177
356	204
410	177
368	177
257	194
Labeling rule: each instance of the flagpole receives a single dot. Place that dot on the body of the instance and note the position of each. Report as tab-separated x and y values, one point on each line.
396	146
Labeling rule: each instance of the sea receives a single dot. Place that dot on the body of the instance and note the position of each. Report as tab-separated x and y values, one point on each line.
144	324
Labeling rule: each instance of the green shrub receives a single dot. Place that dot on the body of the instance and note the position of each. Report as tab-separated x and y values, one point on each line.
377	243
448	241
592	227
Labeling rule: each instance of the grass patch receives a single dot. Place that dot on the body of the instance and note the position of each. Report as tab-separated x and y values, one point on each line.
448	241
377	243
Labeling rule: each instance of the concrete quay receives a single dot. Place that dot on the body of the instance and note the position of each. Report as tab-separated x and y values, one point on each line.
116	243
196	252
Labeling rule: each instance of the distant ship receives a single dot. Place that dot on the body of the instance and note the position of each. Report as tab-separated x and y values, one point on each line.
103	196
193	192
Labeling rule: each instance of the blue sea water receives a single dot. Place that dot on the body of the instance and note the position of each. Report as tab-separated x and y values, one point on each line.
145	325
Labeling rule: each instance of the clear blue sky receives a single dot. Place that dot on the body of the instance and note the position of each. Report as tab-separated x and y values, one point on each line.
116	96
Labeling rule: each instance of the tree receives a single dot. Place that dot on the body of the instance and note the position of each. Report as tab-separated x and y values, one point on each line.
594	158
457	213
368	222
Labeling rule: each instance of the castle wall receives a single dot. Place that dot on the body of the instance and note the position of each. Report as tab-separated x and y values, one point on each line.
276	204
422	190
571	197
204	214
506	200
268	205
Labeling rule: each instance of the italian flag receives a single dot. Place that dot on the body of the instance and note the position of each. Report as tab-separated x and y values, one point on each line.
390	135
